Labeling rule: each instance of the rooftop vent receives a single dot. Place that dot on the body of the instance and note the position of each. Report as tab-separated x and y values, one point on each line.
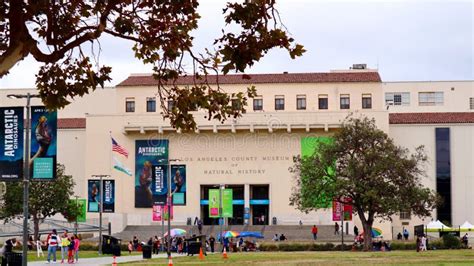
359	66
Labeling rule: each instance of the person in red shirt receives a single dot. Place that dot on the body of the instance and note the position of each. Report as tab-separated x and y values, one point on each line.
314	231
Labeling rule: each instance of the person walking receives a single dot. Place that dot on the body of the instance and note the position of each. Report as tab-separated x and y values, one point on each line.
200	226
314	231
156	245
423	243
212	242
53	241
399	236
405	234
336	228
356	230
130	247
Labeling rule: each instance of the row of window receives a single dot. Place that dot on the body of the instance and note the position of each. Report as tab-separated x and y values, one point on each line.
344	103
391	98
424	98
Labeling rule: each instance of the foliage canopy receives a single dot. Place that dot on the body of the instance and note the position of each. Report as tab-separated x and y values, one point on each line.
64	36
364	168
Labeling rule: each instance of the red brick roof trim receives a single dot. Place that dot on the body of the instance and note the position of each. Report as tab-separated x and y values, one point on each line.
432	118
264	78
70	123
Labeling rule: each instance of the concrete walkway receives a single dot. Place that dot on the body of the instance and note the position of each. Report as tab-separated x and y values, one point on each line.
104	260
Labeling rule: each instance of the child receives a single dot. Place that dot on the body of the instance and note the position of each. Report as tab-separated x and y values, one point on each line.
77	243
130	247
70	254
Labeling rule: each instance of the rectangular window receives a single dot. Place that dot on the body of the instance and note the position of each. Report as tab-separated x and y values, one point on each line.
279	102
258	104
170	105
301	102
345	101
397	98
366	101
405	215
129	105
443	172
430	98
151	104
235	104
323	102
471	103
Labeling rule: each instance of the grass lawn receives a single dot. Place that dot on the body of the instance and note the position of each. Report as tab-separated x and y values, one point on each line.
82	254
437	257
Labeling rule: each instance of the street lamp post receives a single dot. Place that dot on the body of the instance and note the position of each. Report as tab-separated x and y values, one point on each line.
168	204
101	208
221	219
26	172
75	224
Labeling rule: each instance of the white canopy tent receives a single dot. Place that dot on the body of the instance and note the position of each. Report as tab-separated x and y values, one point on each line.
436	226
466	227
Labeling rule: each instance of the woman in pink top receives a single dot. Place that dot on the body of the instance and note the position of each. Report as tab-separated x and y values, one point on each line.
77	243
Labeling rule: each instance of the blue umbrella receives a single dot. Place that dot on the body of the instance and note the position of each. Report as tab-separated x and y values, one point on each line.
251	234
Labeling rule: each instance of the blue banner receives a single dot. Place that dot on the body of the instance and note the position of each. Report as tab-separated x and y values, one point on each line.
109	195
11	147
178	184
151	159
43	143
93	195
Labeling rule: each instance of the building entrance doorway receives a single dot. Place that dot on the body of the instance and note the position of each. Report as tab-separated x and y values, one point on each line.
259	204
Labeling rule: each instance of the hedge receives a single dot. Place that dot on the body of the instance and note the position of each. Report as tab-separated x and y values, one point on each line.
294	246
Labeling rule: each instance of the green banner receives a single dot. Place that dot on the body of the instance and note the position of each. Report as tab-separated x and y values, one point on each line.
227	207
82	203
213	203
309	147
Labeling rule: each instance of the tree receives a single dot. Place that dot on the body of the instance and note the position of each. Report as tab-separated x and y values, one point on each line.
46	199
364	168
64	35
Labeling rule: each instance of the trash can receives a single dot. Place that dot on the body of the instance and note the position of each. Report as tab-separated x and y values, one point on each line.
110	245
274	220
189	221
12	259
116	250
146	249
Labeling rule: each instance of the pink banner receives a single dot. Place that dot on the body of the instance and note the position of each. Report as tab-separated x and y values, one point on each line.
337	209
157	213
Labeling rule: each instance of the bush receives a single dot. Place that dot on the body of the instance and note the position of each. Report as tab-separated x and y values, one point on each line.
451	242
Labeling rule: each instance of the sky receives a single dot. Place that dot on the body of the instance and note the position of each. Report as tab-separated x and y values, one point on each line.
405	40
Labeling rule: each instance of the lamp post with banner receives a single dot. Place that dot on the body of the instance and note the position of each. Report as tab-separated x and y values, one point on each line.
26	171
101	208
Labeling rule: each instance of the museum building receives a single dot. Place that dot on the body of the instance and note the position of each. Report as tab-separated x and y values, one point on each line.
252	154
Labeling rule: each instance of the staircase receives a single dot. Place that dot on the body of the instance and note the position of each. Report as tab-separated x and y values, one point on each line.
292	232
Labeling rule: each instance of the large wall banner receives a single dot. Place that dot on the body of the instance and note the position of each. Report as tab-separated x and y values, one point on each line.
93	195
108	197
11	143
151	159
43	143
178	184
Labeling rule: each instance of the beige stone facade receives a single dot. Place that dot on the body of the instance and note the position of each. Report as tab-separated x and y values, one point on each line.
257	149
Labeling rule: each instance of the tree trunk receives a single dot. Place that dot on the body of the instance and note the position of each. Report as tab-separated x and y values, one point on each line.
36	221
367	235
